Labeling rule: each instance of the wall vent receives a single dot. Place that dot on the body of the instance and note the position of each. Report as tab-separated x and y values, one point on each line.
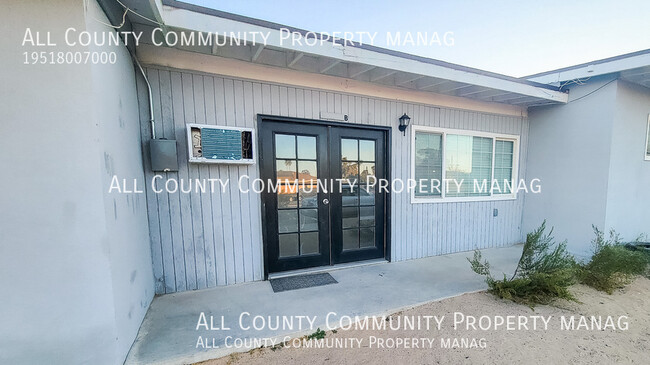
220	144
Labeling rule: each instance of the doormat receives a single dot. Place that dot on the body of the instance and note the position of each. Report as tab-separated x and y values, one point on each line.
301	282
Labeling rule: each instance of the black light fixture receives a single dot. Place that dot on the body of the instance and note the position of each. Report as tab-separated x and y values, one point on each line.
404	121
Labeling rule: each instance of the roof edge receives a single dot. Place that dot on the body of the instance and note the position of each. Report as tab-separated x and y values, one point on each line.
595	62
408	56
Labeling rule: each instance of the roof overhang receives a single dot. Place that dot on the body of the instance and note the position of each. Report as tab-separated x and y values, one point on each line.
353	61
633	67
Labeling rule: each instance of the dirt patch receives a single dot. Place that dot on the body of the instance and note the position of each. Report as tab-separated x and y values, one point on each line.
547	346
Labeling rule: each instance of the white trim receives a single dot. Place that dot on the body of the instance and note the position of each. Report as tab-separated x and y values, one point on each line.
214	65
195	21
594	69
494	147
465	132
443	143
647	141
192	159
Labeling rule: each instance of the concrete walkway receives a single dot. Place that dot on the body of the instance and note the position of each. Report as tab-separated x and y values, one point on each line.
168	334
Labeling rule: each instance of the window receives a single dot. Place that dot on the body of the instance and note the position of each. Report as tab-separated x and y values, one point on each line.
503	158
647	141
467	158
458	165
428	162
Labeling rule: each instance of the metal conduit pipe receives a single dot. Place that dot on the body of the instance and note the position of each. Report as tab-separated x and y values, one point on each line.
150	97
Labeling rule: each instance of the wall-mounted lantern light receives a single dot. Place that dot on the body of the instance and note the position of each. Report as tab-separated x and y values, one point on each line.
404	121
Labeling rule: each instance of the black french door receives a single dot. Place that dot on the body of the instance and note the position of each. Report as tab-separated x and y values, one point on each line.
323	205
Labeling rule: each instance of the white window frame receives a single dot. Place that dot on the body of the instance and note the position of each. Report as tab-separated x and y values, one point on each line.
464	132
647	141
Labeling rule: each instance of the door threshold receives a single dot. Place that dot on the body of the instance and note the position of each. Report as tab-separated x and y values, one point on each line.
321	269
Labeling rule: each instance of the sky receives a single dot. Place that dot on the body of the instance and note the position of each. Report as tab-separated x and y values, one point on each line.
515	38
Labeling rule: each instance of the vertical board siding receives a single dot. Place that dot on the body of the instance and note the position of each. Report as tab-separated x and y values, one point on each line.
202	240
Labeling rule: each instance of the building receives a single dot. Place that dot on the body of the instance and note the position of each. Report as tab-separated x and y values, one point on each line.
600	139
81	262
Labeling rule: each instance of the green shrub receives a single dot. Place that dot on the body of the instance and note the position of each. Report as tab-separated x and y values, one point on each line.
544	272
319	334
640	245
538	288
613	265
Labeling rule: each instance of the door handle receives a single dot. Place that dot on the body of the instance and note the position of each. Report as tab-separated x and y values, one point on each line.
326	201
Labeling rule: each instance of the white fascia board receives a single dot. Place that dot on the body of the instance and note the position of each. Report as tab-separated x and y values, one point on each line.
157	7
186	19
593	69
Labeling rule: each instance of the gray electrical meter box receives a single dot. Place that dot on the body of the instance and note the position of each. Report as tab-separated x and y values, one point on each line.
163	155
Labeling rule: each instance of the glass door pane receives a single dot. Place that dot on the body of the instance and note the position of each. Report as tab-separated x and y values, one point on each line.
357	157
293	157
297	193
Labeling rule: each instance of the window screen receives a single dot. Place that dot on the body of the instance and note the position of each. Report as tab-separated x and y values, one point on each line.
503	157
468	159
428	163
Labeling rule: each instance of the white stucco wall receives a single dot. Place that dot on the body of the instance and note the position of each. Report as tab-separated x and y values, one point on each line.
628	194
569	150
75	267
116	113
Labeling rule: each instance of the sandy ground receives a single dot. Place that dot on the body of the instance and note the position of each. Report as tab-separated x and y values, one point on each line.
550	346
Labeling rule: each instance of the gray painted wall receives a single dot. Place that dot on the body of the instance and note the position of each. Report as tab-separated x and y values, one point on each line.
589	155
75	265
204	240
569	152
628	196
116	113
